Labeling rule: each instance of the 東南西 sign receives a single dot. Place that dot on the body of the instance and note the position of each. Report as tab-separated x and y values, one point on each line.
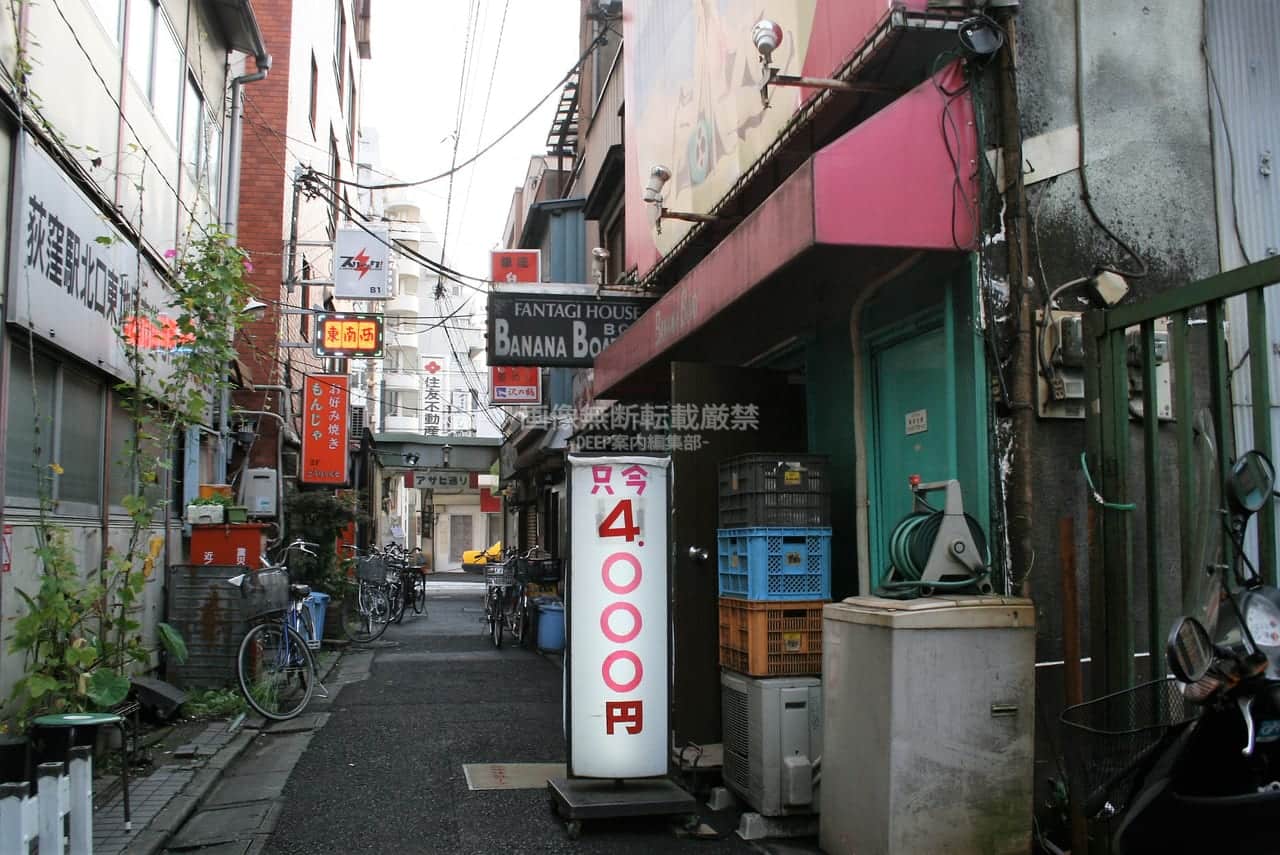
617	617
360	263
324	429
348	335
536	326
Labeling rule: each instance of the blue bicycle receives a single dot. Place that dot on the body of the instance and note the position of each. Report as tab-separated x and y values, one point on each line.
276	670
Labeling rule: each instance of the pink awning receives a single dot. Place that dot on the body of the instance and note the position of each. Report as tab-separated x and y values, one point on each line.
905	178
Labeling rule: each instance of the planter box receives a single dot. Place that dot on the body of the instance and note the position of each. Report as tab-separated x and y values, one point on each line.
237	514
205	514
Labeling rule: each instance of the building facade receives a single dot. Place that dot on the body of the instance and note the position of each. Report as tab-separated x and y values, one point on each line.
116	150
861	267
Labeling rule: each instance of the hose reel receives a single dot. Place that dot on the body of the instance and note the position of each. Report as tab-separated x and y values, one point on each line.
935	551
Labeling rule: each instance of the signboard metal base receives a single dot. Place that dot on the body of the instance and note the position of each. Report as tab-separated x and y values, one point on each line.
576	799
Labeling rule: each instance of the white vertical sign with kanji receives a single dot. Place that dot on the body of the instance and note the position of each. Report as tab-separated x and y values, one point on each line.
618	622
435	392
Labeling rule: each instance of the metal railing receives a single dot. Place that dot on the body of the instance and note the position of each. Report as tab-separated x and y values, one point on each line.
1112	439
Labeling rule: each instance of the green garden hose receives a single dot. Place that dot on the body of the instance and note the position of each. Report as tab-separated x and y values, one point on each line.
909	547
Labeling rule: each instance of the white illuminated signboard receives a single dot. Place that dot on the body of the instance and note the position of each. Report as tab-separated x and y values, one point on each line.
618	601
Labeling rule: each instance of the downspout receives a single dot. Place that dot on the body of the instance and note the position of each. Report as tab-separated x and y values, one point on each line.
230	225
1020	501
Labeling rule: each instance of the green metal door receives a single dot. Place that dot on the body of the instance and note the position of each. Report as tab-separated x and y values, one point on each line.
913	429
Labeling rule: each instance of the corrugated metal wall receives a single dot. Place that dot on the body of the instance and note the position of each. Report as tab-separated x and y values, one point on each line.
1244	96
210	615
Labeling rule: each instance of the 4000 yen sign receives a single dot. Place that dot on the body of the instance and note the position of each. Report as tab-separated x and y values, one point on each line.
618	617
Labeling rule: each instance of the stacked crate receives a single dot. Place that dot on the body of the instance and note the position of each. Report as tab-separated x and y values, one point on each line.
774	563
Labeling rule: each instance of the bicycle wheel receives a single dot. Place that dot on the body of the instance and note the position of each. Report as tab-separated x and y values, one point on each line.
419	595
495	618
364	613
399	599
519	619
306	627
275	669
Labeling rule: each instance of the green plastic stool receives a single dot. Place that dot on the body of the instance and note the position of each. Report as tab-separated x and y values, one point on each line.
71	721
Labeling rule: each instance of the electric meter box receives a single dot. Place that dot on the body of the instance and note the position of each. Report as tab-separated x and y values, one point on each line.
260	487
928	725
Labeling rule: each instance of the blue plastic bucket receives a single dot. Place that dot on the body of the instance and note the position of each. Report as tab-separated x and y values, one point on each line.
551	627
316	602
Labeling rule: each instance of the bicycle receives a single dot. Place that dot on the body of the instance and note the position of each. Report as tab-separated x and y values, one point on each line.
274	666
366	608
498	576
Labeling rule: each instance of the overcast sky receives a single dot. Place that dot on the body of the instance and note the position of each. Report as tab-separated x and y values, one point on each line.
411	89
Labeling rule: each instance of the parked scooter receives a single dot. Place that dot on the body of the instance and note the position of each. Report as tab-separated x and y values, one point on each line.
1192	764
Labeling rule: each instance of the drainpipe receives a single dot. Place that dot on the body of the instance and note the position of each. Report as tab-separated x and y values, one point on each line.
1020	501
231	224
285	417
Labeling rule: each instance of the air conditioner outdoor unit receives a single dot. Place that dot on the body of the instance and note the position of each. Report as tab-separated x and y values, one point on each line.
772	730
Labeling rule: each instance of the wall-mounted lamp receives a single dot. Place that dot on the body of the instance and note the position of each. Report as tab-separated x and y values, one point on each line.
444	455
253	306
658	178
767	37
599	262
411	459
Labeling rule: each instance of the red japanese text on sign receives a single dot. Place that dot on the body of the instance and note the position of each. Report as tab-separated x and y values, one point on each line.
324	429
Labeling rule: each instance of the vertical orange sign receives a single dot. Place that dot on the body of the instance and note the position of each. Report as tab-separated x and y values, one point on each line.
324	429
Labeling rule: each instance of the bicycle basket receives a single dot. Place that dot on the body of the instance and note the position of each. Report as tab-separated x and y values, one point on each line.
499	573
265	592
370	568
538	570
1109	740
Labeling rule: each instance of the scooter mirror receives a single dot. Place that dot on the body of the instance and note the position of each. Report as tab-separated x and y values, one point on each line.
1190	650
1251	481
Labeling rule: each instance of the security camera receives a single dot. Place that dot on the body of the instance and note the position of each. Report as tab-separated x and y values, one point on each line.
600	254
658	178
766	35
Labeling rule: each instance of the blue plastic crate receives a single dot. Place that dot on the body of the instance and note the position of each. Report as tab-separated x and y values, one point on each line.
775	563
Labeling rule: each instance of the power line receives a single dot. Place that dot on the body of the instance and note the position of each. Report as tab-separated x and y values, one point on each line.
320	188
599	40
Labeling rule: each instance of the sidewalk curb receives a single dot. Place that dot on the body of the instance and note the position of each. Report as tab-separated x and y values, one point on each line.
166	824
158	832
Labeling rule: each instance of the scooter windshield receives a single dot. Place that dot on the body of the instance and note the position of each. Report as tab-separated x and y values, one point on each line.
1202	576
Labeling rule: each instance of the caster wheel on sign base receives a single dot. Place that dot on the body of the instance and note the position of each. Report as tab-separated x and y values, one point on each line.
573	828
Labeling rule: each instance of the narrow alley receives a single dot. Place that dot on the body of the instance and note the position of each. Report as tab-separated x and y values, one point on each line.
383	770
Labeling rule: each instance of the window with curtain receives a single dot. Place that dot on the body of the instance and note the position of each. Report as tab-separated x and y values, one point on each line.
56	415
155	62
80	439
31	392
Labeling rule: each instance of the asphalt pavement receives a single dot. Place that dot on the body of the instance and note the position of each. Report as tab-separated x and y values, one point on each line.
379	768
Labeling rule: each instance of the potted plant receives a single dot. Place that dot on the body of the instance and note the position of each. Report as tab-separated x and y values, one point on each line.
207	510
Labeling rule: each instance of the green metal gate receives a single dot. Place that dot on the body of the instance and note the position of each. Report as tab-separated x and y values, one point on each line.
1116	442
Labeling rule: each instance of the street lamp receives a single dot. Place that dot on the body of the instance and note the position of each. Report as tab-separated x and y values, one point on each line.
411	459
444	455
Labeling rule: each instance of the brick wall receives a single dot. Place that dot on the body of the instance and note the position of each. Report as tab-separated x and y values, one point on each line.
263	209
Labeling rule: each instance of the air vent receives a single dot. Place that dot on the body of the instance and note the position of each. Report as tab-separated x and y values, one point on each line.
737	744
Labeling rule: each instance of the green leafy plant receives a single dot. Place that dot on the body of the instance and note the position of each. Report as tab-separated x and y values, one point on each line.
82	635
320	517
215	499
214	703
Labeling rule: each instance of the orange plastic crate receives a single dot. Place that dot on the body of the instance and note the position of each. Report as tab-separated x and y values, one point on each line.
769	638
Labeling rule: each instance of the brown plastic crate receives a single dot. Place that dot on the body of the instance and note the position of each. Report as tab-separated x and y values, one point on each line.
766	638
